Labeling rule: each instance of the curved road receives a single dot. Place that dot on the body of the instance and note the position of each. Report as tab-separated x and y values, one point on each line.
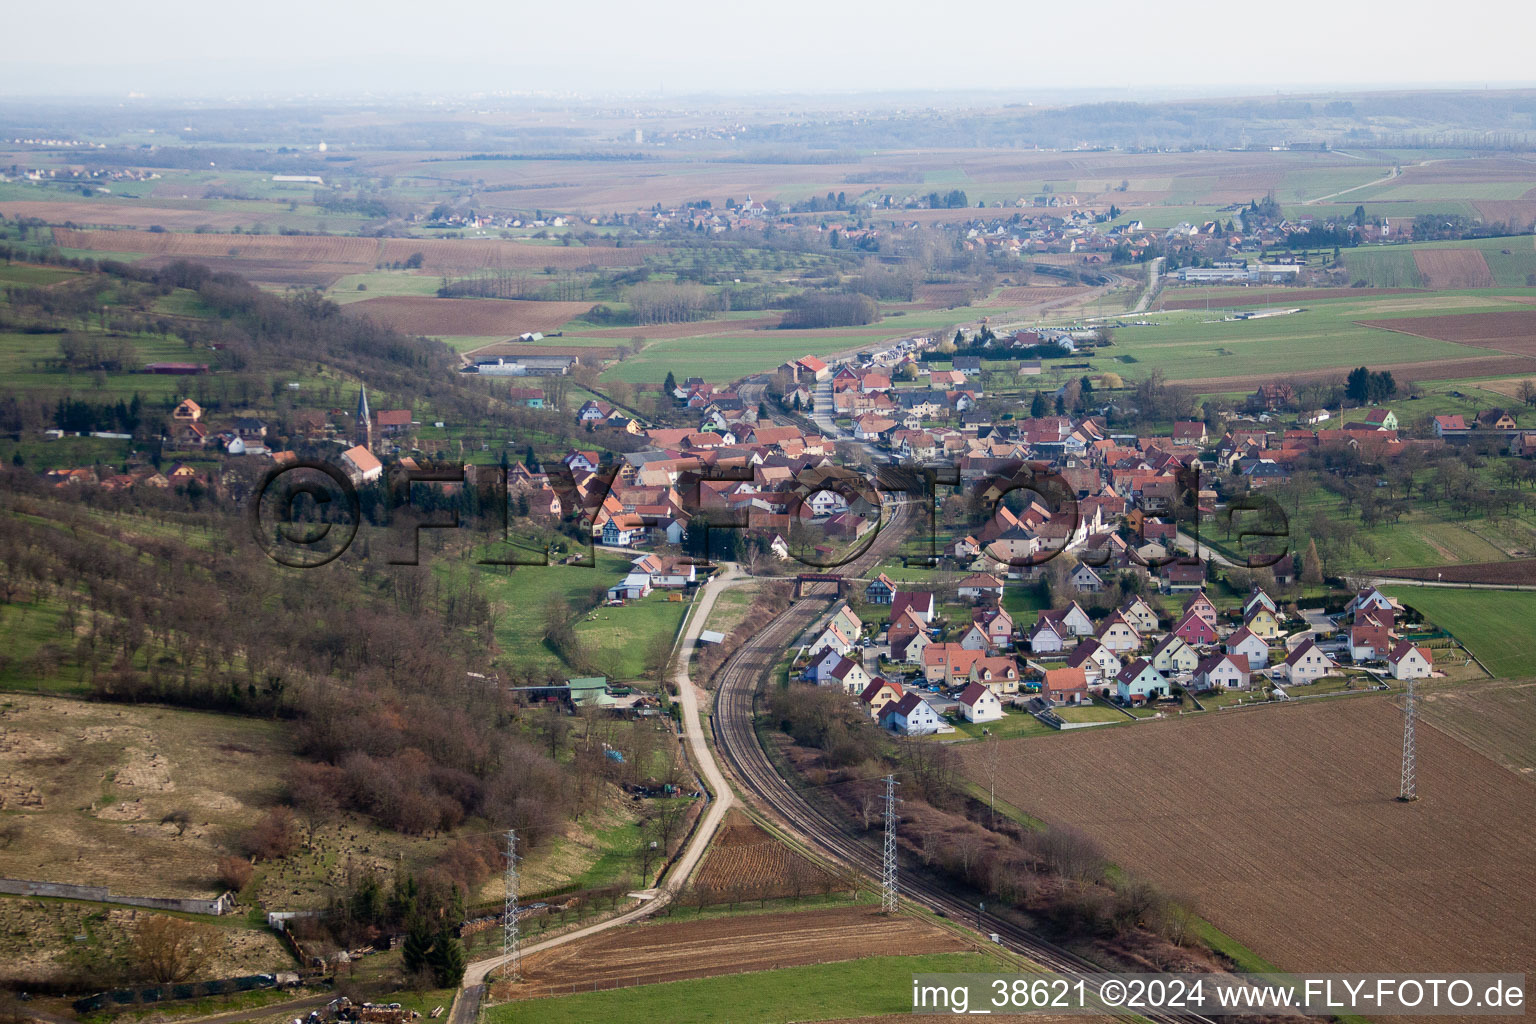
466	1007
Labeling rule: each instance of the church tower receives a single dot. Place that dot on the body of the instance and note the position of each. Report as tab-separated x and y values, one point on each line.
364	420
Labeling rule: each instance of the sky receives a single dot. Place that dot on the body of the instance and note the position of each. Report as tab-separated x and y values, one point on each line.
596	47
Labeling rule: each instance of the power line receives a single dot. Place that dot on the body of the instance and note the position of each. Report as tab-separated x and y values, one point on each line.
888	887
509	937
1410	785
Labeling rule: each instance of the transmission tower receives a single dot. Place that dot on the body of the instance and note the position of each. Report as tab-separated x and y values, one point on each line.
513	965
1410	787
888	888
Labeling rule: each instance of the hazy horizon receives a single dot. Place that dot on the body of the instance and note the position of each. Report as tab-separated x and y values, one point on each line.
177	49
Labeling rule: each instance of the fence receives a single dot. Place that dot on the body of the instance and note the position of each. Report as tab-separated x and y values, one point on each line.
101	894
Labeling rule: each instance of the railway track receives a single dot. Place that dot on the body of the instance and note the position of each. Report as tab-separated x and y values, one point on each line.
737	742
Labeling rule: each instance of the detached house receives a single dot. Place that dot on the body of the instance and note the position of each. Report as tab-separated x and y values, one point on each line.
1140	615
979	585
1118	635
1201	605
1098	662
1001	674
1065	686
1249	646
1192	629
1262	622
911	716
1172	656
979	704
1306	664
1409	662
1048	636
919	602
880	590
1139	682
878	694
1222	672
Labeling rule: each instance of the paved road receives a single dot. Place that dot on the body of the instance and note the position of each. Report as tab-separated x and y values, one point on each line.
466	1007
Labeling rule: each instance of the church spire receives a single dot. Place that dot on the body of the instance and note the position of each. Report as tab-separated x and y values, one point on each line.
364	420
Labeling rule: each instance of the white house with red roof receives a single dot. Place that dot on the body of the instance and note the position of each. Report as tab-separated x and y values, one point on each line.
1409	662
979	704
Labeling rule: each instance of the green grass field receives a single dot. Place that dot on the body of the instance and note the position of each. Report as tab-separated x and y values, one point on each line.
854	988
621	639
1495	625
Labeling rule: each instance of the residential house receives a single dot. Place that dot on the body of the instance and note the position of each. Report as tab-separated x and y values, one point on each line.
187	411
1140	615
1048	636
1370	641
831	638
1064	686
1371	598
878	694
1192	629
1072	617
911	716
1409	662
978	703
1305	664
1000	673
1258	598
979	585
880	590
1084	579
1118	635
1139	682
1173	656
1244	642
1202	606
1262	622
1222	671
1098	662
919	602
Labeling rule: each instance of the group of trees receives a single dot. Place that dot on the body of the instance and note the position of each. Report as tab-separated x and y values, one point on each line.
1367	386
830	309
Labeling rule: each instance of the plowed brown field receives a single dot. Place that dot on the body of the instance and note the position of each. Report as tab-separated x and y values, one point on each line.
1509	331
1282	823
674	950
1029	295
123	214
414	314
1453	268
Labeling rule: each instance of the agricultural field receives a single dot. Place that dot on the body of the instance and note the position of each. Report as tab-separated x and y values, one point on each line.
1512	330
332	256
437	317
744	858
1497	719
1294	836
1453	268
1495	625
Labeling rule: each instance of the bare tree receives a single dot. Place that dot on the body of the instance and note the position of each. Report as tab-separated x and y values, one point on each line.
171	949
